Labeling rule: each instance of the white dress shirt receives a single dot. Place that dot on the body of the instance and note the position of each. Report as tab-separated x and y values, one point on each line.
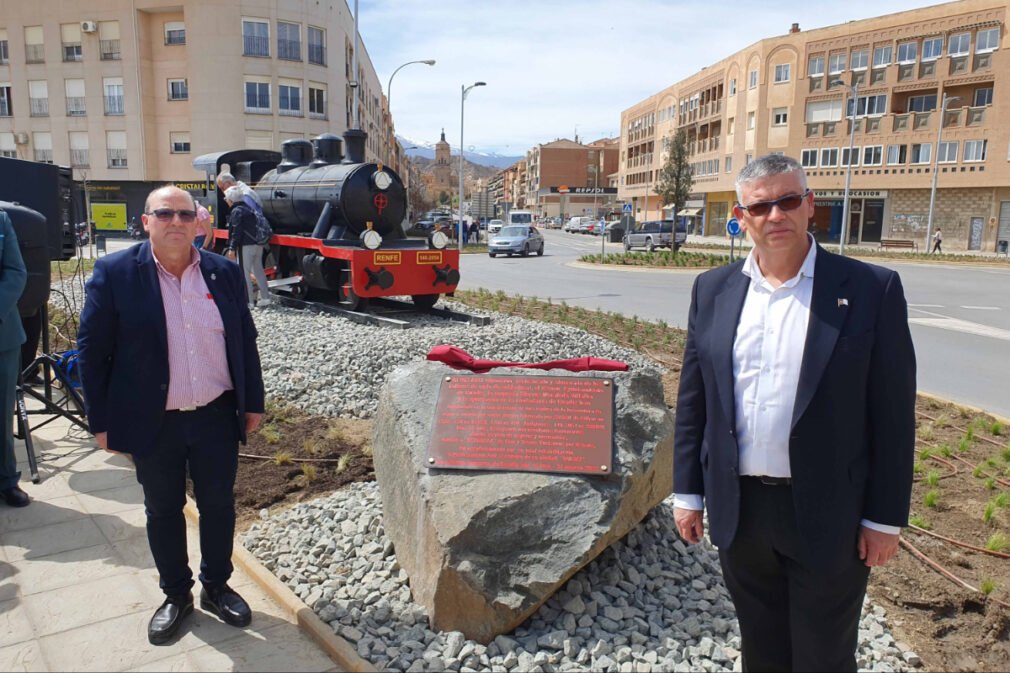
767	354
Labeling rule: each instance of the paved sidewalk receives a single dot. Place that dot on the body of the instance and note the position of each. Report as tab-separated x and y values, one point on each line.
78	585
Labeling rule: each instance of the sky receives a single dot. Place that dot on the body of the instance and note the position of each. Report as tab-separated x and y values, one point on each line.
556	66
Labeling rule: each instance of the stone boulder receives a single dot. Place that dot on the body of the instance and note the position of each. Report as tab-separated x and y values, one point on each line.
484	550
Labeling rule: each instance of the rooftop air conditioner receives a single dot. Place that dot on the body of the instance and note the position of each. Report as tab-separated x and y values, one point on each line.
20	138
88	26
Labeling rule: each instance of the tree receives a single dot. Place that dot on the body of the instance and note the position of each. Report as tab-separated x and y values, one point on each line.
443	197
675	179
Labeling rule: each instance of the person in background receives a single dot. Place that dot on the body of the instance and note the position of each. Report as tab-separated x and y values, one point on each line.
795	427
171	375
937	240
13	277
249	196
204	239
241	237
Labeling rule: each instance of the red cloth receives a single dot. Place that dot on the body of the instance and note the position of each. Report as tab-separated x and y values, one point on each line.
457	358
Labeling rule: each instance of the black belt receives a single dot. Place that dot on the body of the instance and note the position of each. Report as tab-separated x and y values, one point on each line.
770	481
227	398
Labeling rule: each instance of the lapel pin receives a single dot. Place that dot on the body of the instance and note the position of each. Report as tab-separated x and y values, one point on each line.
842	301
213	276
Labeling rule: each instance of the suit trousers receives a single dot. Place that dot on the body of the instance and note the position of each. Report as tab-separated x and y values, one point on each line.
10	367
792	616
203	442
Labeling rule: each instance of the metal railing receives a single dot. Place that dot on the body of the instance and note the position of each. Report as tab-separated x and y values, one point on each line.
45	156
35	53
117	158
75	106
38	107
317	54
289	50
109	50
255	46
114	105
79	158
72	52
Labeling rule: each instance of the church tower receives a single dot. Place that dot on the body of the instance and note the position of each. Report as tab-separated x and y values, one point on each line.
443	167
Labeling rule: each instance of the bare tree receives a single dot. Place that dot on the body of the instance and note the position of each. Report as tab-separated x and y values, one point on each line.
675	178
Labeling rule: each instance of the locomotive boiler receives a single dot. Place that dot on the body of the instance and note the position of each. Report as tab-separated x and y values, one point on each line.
339	222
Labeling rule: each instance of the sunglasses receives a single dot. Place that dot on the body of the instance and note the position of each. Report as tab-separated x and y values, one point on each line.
786	203
168	214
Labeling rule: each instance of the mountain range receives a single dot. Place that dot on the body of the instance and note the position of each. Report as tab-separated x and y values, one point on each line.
427	151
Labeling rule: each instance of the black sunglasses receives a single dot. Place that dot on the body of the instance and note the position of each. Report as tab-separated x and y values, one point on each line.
168	214
786	203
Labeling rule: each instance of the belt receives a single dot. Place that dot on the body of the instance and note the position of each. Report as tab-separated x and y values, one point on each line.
770	481
224	399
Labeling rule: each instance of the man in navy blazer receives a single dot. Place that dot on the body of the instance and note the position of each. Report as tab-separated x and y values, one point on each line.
795	427
171	376
13	277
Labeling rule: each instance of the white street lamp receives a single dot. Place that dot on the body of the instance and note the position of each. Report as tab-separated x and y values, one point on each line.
848	172
936	168
389	90
462	100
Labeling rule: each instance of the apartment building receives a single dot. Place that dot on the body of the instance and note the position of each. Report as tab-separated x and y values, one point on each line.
918	95
128	92
566	177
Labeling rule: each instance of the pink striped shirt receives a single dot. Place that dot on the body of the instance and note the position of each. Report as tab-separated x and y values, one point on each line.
197	359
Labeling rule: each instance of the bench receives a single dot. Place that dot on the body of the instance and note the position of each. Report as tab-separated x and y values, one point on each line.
898	243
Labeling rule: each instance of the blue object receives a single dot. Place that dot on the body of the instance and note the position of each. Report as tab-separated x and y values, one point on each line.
733	227
626	208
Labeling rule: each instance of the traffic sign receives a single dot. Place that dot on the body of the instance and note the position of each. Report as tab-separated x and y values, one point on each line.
733	227
626	208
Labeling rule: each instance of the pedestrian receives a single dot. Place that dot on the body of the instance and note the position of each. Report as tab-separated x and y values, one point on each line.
249	195
13	276
795	427
205	236
937	240
242	237
171	375
475	232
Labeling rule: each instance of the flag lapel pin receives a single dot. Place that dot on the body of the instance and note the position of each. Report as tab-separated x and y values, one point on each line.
842	301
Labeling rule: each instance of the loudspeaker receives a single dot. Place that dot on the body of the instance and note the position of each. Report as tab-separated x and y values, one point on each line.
49	190
30	228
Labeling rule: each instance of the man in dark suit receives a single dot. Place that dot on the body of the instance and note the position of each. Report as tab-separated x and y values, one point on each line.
795	427
13	277
171	376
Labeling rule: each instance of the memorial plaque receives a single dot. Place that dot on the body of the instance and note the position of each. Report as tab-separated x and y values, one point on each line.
523	423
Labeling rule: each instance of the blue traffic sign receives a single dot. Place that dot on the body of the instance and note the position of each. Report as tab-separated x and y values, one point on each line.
733	227
627	208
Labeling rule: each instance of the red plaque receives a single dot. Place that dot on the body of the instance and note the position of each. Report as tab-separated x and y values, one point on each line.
523	423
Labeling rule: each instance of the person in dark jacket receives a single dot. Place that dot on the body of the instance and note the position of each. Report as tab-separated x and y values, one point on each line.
242	237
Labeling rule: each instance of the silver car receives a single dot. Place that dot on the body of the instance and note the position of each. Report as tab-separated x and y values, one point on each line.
516	239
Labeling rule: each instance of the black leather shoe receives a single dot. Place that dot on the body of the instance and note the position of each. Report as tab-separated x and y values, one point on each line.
226	604
15	497
168	618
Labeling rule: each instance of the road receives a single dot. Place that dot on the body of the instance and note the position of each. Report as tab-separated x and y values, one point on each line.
959	315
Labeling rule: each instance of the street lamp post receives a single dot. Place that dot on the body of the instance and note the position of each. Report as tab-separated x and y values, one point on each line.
389	91
848	172
936	168
462	100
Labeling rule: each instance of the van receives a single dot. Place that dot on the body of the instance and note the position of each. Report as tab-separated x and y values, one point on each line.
656	234
522	217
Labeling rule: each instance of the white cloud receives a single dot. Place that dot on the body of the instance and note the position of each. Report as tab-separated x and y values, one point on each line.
554	65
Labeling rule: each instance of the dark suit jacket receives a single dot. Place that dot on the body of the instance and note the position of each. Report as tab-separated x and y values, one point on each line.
13	277
123	346
851	448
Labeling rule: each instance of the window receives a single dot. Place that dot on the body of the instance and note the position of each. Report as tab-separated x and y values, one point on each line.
959	44
289	97
115	144
730	125
289	41
859	59
5	56
829	157
946	152
921	153
108	40
732	87
846	155
782	72
747	159
113	87
868	105
873	155
8	148
38	98
932	48
882	57
982	97
74	89
317	100
808	158
729	164
175	32
926	103
257	95
43	144
178	89
780	116
897	154
35	48
815	66
178	142
79	149
317	45
255	37
823	111
907	52
750	121
987	40
6	108
71	35
753	79
836	64
975	150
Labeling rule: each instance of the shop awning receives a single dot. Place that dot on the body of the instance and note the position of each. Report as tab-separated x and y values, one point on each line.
689	212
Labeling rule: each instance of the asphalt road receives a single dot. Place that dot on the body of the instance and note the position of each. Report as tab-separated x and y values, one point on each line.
959	315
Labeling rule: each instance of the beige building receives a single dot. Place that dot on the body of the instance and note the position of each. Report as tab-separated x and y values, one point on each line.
128	92
566	177
795	94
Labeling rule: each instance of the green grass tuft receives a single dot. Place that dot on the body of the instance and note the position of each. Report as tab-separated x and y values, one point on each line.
931	499
997	542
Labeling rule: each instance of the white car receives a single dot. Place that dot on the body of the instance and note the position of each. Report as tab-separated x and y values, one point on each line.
494	226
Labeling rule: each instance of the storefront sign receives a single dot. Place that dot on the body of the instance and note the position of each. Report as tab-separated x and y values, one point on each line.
109	216
853	194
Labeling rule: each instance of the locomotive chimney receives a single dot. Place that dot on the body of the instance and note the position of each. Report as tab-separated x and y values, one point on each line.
354	139
295	152
327	148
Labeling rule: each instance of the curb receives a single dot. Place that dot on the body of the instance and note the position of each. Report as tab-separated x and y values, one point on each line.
336	648
931	396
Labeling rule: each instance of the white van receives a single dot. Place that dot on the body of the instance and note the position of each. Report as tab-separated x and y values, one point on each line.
520	217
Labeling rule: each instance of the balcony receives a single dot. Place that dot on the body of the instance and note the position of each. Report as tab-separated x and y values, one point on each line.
114	105
38	107
813	130
906	71
901	122
976	116
79	158
878	76
920	120
35	53
255	46
872	124
317	54
109	50
72	52
44	156
927	69
75	106
816	84
958	65
117	158
952	117
982	62
289	50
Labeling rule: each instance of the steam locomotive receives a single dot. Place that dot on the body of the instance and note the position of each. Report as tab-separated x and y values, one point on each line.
338	222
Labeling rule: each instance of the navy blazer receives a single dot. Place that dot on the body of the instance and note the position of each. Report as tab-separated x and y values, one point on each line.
123	346
852	443
13	277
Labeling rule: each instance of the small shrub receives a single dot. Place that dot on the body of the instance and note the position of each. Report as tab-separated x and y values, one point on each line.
987	586
945	450
931	499
926	453
991	462
926	433
964	445
270	434
933	478
996	429
343	462
990	484
977	472
309	472
1001	500
942	421
919	522
335	434
990	509
969	434
283	458
313	446
917	468
997	542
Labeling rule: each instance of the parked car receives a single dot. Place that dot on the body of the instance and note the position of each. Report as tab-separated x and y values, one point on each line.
516	240
494	226
656	234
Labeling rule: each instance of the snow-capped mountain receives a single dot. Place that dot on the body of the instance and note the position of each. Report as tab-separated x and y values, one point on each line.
427	150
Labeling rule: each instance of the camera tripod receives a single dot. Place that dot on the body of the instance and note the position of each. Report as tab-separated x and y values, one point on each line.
60	396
